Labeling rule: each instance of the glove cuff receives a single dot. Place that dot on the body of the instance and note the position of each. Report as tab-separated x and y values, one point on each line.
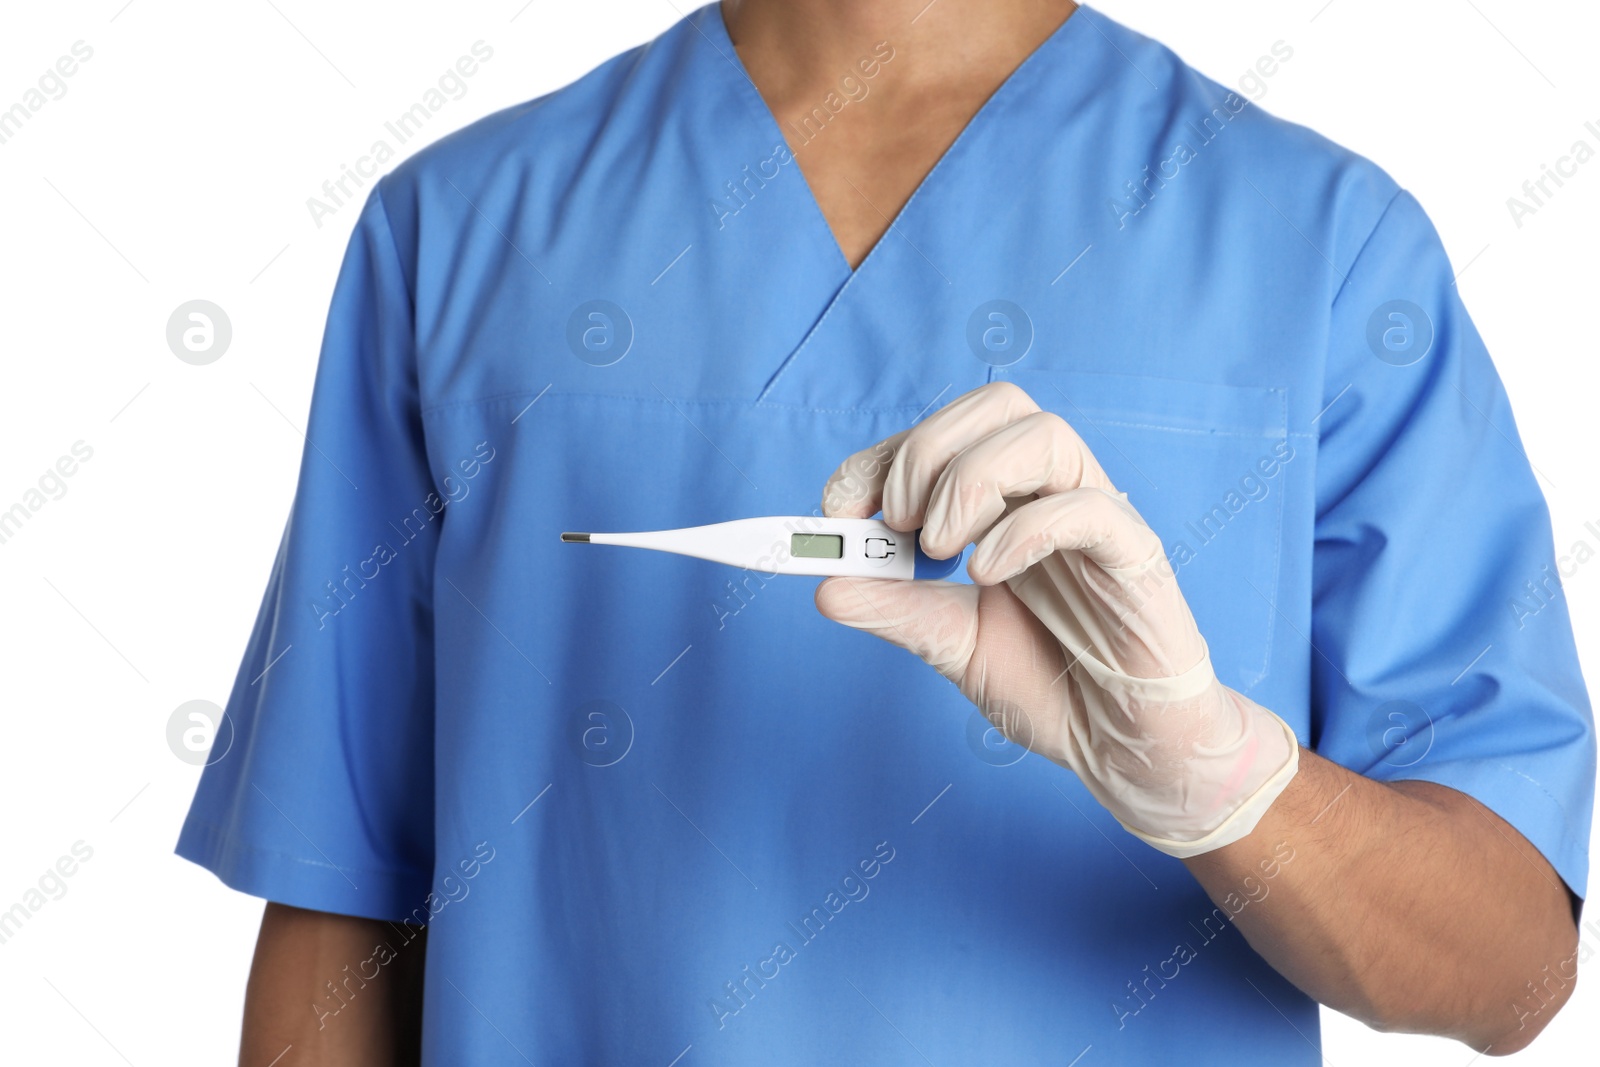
1243	818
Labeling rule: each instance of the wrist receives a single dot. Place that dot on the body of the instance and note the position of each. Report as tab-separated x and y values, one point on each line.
1225	789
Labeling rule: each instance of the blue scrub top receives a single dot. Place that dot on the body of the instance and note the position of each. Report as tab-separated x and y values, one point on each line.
650	804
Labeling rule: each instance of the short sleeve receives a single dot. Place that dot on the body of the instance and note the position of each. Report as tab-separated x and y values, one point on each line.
1444	651
319	792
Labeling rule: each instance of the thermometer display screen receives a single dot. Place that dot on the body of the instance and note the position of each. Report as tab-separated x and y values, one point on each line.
816	546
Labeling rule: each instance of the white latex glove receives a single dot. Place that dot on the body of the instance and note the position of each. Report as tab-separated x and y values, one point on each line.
1075	640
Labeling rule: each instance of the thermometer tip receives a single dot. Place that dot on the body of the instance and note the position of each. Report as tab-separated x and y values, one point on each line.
580	538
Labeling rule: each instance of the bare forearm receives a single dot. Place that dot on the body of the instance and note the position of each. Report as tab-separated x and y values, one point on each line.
1409	906
335	990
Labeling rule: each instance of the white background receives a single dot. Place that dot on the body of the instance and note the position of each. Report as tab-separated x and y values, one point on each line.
177	166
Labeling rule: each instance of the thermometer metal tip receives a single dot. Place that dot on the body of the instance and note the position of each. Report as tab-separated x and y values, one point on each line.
581	538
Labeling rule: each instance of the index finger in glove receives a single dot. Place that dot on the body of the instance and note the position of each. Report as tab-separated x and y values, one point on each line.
1039	453
898	473
855	489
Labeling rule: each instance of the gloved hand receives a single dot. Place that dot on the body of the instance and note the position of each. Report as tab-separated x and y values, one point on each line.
1074	640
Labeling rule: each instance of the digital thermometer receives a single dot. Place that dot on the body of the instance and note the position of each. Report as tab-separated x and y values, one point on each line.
793	544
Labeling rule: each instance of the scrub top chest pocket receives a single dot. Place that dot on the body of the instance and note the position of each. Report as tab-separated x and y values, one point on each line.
1213	470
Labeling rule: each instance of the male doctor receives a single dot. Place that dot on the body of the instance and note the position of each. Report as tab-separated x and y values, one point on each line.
1228	712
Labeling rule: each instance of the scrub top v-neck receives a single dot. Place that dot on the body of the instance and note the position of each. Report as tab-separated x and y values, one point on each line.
653	807
927	248
1054	51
